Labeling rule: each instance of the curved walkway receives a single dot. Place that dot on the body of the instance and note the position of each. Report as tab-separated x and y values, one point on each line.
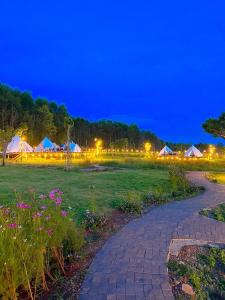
132	263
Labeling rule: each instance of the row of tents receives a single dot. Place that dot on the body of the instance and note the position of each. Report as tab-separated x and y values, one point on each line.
18	145
191	152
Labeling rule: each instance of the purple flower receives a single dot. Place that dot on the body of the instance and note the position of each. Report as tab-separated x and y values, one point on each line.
55	194
6	211
43	207
12	225
52	195
42	197
58	201
48	217
49	231
37	215
23	205
64	213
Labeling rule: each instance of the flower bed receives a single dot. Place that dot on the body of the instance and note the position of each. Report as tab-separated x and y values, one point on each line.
36	237
198	272
217	213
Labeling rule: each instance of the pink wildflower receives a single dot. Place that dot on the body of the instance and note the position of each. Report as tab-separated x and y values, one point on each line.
42	197
23	205
49	231
43	207
64	213
52	195
37	215
6	211
58	201
55	194
48	217
12	225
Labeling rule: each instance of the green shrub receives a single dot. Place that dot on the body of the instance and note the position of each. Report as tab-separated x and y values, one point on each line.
33	236
93	221
217	213
157	196
195	280
177	268
178	179
129	204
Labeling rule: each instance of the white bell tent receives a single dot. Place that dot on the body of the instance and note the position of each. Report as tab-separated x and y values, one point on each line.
165	151
46	145
193	152
73	147
18	145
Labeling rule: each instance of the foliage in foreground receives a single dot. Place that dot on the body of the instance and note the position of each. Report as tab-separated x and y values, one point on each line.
35	238
217	213
206	273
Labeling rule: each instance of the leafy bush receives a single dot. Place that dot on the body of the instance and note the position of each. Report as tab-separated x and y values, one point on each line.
178	179
129	204
179	269
195	280
157	196
217	213
32	236
94	221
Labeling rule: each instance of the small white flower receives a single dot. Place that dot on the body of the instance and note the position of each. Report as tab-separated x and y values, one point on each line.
14	237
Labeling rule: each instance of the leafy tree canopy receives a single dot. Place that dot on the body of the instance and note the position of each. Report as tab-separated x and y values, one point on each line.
216	127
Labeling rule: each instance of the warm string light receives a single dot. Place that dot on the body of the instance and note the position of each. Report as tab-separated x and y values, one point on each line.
145	152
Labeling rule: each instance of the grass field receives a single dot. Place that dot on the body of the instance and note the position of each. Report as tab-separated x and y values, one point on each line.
134	173
81	189
127	160
217	177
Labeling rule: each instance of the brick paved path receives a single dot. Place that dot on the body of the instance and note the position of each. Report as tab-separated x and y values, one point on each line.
132	263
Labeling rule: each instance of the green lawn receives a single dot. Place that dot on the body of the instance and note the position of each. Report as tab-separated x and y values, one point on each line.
217	177
81	189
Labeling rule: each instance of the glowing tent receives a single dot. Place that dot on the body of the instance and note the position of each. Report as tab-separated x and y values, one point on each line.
73	147
18	145
46	145
165	151
193	152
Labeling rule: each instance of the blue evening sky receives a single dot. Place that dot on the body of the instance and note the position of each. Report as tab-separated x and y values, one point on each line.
160	64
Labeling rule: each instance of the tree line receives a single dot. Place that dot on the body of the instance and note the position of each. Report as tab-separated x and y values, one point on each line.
45	118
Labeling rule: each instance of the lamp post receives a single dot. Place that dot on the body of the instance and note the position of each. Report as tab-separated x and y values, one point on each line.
148	147
98	145
211	151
